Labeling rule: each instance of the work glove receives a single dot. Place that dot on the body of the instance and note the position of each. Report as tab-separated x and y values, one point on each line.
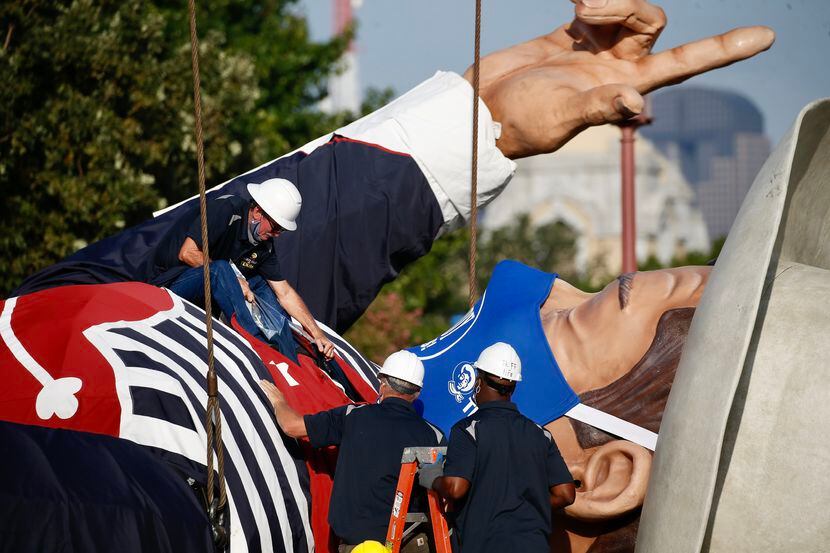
428	473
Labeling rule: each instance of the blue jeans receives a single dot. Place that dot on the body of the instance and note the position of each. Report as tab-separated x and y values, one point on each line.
227	294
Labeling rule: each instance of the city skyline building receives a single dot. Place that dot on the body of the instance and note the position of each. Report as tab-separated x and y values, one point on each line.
580	186
717	138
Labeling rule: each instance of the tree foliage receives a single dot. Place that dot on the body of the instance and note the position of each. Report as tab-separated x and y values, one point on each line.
690	258
387	327
96	111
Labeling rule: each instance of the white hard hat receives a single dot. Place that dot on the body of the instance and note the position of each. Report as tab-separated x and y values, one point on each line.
404	365
500	360
280	199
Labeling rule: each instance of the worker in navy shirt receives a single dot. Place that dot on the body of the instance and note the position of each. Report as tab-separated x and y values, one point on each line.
503	470
244	266
371	439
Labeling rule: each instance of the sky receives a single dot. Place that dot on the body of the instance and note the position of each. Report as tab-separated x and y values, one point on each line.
402	42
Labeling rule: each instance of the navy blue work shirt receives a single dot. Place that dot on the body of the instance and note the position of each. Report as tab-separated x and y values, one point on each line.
371	439
227	222
511	464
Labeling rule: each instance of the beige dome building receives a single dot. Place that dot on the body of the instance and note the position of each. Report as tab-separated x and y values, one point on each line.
580	185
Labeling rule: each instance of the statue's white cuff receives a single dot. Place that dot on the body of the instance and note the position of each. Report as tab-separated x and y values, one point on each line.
433	123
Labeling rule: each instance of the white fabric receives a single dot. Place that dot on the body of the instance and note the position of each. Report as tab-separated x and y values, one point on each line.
433	123
614	425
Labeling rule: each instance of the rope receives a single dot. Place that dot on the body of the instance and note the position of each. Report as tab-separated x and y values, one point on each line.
213	415
474	173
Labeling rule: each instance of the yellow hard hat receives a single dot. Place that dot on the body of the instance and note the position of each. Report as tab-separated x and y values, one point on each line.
370	546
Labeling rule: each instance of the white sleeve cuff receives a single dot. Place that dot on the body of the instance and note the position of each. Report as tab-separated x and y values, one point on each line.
433	123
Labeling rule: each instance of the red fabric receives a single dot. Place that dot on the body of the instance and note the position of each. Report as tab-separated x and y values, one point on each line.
370	144
309	390
50	325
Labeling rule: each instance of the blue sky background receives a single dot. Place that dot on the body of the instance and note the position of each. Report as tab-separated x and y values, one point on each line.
402	42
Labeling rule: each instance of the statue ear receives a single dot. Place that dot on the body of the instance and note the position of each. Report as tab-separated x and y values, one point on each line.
614	481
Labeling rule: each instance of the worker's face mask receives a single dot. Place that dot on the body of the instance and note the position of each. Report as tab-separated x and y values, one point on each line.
256	232
254	228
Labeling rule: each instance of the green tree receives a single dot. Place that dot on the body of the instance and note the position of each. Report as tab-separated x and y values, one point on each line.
690	258
386	327
550	247
96	111
290	71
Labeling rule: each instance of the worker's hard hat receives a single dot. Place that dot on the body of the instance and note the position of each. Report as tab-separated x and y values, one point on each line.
500	360
370	546
404	365
279	199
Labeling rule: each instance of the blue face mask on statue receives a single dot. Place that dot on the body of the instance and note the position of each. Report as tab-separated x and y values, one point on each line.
507	311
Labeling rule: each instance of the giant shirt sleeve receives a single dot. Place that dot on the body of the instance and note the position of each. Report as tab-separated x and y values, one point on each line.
376	194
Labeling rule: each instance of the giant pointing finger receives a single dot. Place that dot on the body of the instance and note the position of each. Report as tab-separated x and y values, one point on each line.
547	90
680	63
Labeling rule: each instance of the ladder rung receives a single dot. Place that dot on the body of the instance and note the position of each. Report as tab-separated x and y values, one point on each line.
410	530
424	455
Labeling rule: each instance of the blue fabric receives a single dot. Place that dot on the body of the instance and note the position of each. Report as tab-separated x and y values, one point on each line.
227	294
508	311
76	492
367	212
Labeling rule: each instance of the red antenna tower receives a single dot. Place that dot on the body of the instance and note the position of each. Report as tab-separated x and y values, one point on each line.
342	10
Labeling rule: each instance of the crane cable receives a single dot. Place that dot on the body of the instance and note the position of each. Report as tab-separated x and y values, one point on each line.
474	172
213	414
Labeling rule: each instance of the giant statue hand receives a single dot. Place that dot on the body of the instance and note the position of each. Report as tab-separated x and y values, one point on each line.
593	71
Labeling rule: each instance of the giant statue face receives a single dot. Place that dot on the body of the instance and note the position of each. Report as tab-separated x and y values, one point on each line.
626	374
605	359
612	472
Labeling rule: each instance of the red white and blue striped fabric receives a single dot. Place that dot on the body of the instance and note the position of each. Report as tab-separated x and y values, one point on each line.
128	360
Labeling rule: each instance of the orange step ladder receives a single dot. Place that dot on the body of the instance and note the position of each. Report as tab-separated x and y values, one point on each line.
410	460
